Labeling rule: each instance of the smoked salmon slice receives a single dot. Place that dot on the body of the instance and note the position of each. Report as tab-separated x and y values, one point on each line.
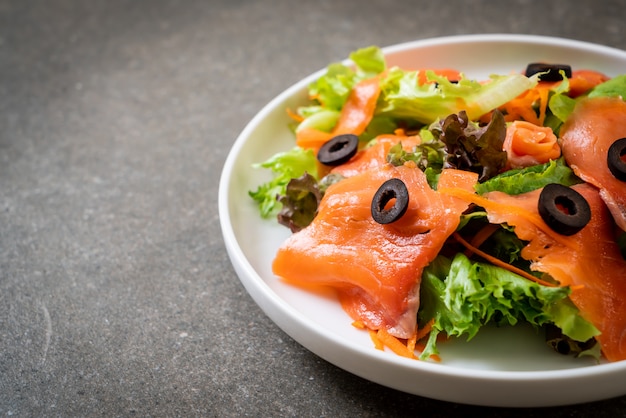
375	155
590	261
585	139
375	269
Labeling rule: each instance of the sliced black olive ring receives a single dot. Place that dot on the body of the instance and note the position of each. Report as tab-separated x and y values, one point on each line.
338	150
551	71
390	190
615	160
563	209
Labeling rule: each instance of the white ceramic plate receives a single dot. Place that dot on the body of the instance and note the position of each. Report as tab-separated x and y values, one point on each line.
500	367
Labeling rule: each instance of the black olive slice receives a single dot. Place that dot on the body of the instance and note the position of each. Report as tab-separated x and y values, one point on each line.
338	150
390	190
563	209
615	160
552	71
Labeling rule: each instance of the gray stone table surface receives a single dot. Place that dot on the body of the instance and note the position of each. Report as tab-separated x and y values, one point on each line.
117	297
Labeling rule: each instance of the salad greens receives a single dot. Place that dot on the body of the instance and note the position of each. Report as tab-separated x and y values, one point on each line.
285	166
460	295
522	180
403	102
405	98
471	147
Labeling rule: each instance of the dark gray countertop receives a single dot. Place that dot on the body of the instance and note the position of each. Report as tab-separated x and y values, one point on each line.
116	294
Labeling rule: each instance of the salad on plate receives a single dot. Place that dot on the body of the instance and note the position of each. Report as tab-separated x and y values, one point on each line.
435	204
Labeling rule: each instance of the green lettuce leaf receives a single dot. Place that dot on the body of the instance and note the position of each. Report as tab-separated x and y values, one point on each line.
425	155
369	61
332	89
404	98
560	105
285	166
317	117
462	296
615	87
526	179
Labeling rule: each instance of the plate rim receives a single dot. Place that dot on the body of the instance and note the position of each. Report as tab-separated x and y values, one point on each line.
273	304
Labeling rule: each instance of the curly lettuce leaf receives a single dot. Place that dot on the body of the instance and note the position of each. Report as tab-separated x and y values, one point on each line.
404	98
285	166
425	155
473	148
300	202
369	61
462	296
526	179
332	89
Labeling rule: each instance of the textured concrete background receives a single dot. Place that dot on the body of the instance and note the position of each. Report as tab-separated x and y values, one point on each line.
116	294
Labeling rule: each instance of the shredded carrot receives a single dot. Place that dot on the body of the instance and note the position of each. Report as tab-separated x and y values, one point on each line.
358	324
481	236
293	115
496	261
382	339
522	107
425	330
394	344
378	344
411	342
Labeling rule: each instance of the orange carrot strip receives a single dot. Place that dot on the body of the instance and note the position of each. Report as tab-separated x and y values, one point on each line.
410	343
482	236
293	115
358	324
522	105
421	333
394	344
378	344
497	262
543	104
